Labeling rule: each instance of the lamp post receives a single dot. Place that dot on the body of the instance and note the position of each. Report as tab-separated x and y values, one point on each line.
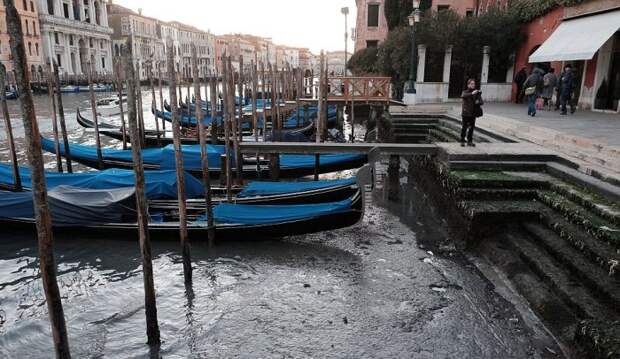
413	18
345	12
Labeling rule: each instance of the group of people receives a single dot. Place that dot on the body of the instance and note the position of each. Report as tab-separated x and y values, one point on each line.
541	85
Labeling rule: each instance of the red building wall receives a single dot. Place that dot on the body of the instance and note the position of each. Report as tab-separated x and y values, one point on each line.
536	32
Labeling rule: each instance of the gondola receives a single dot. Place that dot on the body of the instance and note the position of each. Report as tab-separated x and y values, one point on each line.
161	190
291	166
111	213
151	140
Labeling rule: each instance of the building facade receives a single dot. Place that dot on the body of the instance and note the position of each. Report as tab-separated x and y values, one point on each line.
371	27
589	33
32	39
76	33
147	45
336	63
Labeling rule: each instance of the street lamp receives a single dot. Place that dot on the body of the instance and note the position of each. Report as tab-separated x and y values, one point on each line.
413	18
345	12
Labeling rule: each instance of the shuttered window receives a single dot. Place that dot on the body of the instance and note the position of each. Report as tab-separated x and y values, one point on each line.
373	15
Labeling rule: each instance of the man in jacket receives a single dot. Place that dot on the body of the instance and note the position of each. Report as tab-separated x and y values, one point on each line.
566	86
472	102
520	78
535	80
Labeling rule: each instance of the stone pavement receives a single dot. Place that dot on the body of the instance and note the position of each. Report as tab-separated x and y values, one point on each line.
590	137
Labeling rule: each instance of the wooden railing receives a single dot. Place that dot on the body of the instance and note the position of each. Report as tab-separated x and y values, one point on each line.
359	89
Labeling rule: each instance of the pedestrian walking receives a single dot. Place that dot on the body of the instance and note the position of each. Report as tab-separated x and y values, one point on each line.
472	109
532	89
566	86
519	80
550	82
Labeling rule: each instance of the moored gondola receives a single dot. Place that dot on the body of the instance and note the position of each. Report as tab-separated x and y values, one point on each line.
291	166
111	213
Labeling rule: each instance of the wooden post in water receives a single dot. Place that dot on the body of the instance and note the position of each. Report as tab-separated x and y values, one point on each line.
226	170
47	263
140	107
320	115
150	302
17	180
254	99
119	87
206	178
178	154
61	116
51	95
154	99
238	155
93	105
213	97
263	98
235	127
161	99
274	159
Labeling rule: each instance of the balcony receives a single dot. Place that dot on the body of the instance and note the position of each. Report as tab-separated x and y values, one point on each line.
84	26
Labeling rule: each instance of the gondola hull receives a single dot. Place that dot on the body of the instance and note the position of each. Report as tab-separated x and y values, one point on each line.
198	232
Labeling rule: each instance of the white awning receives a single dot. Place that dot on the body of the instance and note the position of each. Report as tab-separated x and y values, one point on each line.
578	39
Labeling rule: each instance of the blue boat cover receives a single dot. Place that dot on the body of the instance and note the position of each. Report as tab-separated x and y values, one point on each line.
308	161
257	188
158	184
71	206
164	157
228	213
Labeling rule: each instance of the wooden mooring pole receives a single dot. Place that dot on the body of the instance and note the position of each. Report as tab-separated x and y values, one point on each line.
274	159
154	99
161	99
202	134
61	117
93	105
140	107
17	180
235	127
320	114
119	88
178	154
225	164
47	263
150	302
213	97
52	102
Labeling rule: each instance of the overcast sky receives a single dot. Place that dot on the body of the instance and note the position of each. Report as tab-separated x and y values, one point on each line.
316	24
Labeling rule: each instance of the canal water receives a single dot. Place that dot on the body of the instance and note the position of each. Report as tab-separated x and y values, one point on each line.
391	287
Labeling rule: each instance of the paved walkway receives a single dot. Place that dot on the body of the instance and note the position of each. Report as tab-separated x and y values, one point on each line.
591	137
602	127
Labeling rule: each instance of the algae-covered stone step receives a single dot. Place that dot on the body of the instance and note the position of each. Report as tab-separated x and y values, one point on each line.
488	194
579	215
598	339
589	273
595	250
603	207
572	292
497	165
494	179
490	212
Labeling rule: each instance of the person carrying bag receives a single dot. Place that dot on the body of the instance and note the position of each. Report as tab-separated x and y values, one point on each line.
472	109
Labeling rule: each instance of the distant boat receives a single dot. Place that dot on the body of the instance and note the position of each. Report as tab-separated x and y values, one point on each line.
110	106
77	89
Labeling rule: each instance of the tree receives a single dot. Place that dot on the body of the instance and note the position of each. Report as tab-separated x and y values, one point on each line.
396	11
364	62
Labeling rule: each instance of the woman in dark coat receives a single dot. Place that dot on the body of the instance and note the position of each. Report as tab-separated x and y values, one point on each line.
472	102
535	81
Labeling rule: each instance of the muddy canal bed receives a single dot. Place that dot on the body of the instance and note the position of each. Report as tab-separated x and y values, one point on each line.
381	289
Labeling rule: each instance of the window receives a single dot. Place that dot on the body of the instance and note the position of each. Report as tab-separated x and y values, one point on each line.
90	42
50	7
373	15
103	62
30	49
443	8
25	5
372	43
71	40
65	9
469	13
58	60
34	28
27	28
36	46
56	39
32	6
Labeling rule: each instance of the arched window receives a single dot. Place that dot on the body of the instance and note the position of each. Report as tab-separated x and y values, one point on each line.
50	7
36	47
25	5
97	13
